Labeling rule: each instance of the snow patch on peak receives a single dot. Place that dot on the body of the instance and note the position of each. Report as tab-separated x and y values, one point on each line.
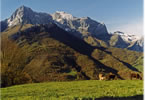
102	23
127	37
64	15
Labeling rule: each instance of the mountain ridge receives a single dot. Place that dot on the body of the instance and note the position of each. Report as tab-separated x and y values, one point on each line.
83	27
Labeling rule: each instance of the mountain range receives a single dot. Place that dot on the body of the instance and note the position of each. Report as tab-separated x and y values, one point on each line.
85	28
40	47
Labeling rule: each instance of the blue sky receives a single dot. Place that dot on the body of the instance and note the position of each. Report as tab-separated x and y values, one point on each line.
122	15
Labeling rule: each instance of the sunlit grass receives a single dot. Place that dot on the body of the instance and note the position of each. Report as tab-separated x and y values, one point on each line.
72	90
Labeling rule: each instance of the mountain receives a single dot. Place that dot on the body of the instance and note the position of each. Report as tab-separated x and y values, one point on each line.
84	25
123	40
127	37
25	15
137	45
117	41
61	47
46	52
91	31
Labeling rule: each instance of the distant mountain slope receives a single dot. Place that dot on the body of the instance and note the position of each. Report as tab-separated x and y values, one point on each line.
117	41
137	45
127	37
130	42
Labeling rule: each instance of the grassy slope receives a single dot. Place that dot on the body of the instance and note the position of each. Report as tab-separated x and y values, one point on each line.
131	57
139	64
15	29
74	89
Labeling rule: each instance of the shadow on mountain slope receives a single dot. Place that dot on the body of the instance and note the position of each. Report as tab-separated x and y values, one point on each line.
78	45
129	66
53	31
125	63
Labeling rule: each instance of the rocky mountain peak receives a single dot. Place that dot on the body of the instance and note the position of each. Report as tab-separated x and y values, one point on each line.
26	15
18	16
84	25
24	8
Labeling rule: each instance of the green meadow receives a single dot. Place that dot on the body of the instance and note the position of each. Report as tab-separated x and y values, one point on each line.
76	90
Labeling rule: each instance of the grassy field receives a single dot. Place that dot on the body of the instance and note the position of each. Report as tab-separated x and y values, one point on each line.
76	90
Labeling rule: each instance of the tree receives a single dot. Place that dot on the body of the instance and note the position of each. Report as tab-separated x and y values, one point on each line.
13	61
